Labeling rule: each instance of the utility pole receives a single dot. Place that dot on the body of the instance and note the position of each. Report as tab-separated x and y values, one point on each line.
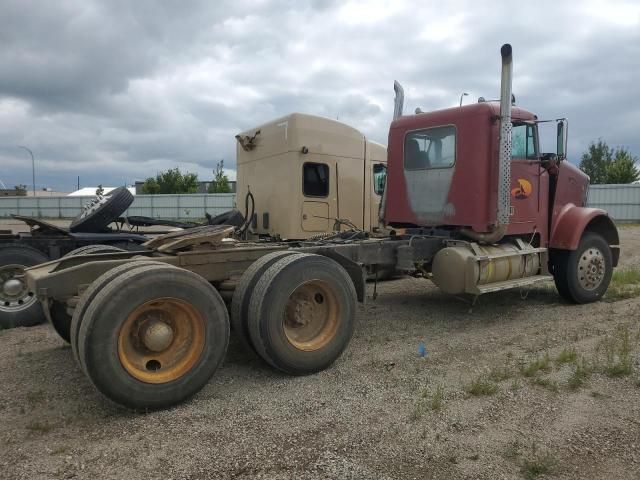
33	168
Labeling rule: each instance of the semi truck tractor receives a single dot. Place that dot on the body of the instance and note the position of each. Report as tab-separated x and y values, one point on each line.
472	203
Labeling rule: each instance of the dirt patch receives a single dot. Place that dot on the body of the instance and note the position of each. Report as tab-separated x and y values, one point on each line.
521	385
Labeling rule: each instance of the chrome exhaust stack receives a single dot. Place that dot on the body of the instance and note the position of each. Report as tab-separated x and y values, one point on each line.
398	103
504	158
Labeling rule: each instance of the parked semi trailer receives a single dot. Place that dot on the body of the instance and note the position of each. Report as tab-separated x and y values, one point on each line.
475	207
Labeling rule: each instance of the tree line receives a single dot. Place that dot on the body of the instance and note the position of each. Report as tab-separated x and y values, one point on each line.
602	163
605	164
174	181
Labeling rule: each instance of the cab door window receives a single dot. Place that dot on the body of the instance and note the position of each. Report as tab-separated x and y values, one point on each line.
315	180
523	141
379	178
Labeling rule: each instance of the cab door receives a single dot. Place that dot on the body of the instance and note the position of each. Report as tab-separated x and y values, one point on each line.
315	191
526	172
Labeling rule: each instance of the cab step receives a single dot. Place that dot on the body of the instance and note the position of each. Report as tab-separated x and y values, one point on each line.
514	283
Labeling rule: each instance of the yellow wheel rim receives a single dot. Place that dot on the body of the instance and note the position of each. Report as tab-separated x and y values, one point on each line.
161	340
311	316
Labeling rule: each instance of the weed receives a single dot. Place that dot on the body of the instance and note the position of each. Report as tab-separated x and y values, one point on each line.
474	457
618	355
513	449
40	427
437	399
567	355
580	375
539	364
537	465
417	412
481	386
59	450
428	401
625	283
596	394
515	385
498	374
550	385
35	396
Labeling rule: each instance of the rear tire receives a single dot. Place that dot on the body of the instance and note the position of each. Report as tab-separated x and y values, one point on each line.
583	275
302	313
239	311
89	294
19	307
153	337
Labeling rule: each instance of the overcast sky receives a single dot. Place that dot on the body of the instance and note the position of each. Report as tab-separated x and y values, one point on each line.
115	91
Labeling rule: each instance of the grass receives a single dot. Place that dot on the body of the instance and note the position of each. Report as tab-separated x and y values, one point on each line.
35	396
537	465
428	402
539	364
481	386
550	385
618	354
580	375
437	399
567	355
499	374
625	283
59	450
39	427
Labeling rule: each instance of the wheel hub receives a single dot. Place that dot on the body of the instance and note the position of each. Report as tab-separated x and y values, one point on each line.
161	340
157	336
311	316
14	294
13	287
591	269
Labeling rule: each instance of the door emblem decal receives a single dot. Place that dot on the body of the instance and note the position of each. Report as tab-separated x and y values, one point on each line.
523	190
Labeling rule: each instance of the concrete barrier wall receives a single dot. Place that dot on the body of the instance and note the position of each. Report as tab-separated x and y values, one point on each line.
177	207
621	201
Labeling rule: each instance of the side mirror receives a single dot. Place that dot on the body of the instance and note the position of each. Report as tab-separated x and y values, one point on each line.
562	135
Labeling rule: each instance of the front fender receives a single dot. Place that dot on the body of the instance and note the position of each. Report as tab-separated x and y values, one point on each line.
572	221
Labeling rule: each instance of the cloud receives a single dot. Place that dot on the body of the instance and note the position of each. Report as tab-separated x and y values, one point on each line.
116	91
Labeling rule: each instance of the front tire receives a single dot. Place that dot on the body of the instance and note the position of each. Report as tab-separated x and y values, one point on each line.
583	275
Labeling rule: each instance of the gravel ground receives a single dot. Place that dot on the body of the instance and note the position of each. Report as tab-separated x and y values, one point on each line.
473	407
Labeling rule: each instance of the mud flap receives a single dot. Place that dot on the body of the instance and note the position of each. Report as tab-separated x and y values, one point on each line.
356	271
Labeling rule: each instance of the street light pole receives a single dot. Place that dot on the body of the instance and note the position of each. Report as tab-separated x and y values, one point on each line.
464	94
33	168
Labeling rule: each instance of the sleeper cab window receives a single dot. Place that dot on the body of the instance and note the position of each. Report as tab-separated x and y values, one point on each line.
315	179
523	141
430	148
